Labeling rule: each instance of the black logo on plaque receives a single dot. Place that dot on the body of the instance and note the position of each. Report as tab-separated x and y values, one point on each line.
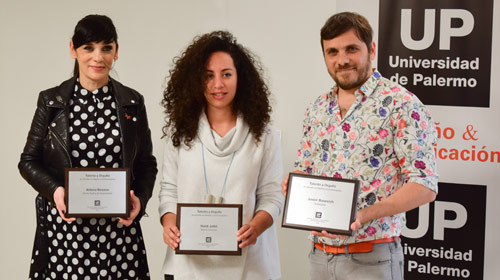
439	50
318	215
208	239
97	203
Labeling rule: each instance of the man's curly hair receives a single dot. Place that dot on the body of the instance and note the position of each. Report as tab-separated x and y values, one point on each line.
184	98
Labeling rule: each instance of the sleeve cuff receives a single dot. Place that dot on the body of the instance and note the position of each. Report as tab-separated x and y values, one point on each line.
271	210
167	207
429	182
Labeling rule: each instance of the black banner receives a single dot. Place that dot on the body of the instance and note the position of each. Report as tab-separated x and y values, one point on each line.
439	50
445	239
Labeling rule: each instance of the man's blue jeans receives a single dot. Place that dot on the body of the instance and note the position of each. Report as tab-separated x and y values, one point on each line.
385	262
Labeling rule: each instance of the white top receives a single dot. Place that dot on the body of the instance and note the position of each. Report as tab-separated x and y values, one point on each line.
253	180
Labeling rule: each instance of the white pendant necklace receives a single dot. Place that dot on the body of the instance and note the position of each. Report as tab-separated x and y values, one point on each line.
209	198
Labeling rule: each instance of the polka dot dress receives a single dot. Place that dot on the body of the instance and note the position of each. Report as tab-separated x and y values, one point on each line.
91	248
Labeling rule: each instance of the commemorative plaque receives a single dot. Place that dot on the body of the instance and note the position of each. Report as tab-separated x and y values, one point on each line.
209	229
97	192
320	203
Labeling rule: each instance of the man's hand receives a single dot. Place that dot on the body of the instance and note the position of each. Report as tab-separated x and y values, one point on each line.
354	226
284	183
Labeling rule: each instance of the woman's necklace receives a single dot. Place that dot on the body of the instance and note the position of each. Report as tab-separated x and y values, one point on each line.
209	198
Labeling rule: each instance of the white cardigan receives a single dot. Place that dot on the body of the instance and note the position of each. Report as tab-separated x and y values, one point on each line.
253	180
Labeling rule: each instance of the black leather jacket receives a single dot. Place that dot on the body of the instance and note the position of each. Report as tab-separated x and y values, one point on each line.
46	153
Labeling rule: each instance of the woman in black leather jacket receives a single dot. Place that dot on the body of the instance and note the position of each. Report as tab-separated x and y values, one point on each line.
89	121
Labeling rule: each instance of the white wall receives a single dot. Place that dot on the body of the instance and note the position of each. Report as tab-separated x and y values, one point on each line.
34	55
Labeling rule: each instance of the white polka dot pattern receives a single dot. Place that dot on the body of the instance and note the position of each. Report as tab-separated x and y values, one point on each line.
98	248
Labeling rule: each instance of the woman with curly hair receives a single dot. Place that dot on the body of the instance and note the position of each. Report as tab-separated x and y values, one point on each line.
219	145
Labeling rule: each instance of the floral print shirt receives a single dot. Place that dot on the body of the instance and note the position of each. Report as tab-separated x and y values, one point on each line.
385	140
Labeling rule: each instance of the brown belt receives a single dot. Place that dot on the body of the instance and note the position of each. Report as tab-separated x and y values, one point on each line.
361	247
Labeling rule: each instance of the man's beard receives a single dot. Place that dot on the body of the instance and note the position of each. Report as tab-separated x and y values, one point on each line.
362	76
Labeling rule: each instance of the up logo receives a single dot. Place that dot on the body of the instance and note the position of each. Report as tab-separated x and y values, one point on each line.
435	240
440	221
439	50
446	29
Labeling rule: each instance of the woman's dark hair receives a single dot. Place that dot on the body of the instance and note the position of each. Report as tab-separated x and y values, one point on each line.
93	28
340	23
184	98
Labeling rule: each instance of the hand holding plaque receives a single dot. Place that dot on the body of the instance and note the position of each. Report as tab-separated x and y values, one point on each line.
135	208
320	203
